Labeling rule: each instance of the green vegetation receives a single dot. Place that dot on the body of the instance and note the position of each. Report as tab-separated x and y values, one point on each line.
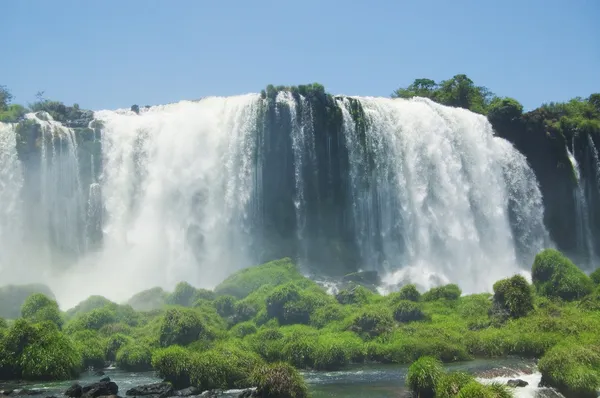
265	322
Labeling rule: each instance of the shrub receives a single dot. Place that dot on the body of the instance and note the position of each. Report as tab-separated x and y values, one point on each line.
448	292
555	276
292	304
243	329
180	326
3	323
475	390
93	320
134	357
514	295
223	367
409	292
148	300
91	347
595	276
355	295
244	282
572	369
40	308
183	295
173	364
225	305
204	294
243	311
408	311
278	380
12	298
372	321
333	351
423	376
504	110
328	314
114	343
450	384
268	343
89	304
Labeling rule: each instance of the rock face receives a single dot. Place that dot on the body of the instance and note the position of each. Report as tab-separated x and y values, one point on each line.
161	390
187	392
100	389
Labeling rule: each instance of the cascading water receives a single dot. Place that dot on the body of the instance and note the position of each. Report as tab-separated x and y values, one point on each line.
582	219
195	190
435	196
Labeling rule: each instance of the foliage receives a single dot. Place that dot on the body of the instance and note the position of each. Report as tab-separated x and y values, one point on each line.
92	348
504	110
225	305
87	305
449	384
148	300
12	298
555	276
134	357
278	380
113	343
183	295
173	364
423	376
408	292
246	281
447	292
408	311
294	302
39	308
372	321
514	295
355	295
595	276
180	326
573	369
5	97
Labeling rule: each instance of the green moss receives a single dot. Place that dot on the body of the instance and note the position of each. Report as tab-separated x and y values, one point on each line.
423	376
134	357
246	281
278	380
555	276
514	295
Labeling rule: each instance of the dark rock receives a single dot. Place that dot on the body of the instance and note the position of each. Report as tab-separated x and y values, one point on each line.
161	390
99	389
517	383
6	392
248	393
30	392
75	391
105	379
187	392
99	373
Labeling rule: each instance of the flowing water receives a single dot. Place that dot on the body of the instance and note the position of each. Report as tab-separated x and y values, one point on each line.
196	190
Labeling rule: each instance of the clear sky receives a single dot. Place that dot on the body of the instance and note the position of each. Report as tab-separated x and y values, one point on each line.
114	53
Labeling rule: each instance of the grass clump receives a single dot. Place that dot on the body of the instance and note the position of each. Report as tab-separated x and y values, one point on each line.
134	357
423	376
555	276
514	295
408	311
372	321
180	326
278	380
446	292
449	384
355	295
173	364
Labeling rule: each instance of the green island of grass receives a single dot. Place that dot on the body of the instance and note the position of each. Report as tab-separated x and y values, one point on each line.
262	324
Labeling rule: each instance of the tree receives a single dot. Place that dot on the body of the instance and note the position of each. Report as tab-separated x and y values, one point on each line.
5	98
419	88
503	110
460	91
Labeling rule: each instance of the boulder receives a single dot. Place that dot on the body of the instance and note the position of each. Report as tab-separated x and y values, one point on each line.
187	392
105	379
161	390
517	383
100	389
75	391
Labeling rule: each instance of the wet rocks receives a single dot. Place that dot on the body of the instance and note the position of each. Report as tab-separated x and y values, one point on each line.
187	392
161	390
75	391
100	389
517	383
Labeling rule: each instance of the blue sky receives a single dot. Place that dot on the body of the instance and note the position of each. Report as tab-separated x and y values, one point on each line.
114	53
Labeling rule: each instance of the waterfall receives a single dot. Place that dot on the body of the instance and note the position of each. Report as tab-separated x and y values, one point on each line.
11	216
582	218
435	196
596	161
198	189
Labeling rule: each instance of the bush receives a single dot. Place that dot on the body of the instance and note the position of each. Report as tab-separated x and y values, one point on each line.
12	298
423	376
184	295
355	295
93	320
372	321
173	364
408	311
409	292
475	390
595	276
225	305
293	304
448	292
504	110
244	282
243	329
148	300
89	304
450	384
334	351
180	326
223	367
328	314
91	347
514	295
114	343
134	357
39	308
555	276
278	380
243	311
572	369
